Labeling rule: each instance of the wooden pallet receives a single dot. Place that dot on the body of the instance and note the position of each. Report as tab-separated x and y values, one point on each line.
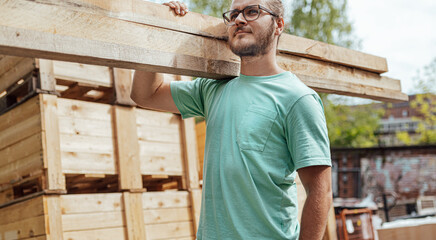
65	145
108	216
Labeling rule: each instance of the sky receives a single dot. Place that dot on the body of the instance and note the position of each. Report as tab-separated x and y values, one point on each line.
404	32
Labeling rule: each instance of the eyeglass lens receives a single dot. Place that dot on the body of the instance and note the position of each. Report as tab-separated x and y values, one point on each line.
250	13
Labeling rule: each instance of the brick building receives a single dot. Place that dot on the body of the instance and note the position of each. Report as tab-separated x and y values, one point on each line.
404	172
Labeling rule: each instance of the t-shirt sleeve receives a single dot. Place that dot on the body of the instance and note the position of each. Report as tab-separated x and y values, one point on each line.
188	97
307	136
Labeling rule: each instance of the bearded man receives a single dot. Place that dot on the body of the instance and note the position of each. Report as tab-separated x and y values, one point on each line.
262	127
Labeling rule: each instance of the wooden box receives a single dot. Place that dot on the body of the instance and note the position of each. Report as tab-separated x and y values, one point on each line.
62	145
108	216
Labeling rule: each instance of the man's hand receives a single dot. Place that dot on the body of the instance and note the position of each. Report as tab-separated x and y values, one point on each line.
178	7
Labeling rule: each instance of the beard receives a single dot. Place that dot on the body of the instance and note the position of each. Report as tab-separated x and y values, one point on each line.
263	42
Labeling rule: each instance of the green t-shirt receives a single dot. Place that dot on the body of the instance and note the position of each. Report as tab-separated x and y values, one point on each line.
259	131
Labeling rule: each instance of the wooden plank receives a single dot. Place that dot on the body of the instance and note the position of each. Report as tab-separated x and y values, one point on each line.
83	73
19	131
190	158
16	115
159	158
46	75
21	149
326	77
85	127
95	203
83	163
123	86
53	216
158	134
127	148
88	221
15	170
51	142
134	216
86	144
21	69
72	43
8	62
212	59
157	15
25	228
161	200
169	230
157	119
154	216
196	207
84	110
23	210
118	233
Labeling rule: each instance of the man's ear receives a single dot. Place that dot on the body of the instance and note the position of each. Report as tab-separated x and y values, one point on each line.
280	26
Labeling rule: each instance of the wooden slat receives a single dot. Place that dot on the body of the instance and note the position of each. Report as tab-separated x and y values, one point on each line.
8	62
114	43
23	167
93	203
88	221
20	131
21	149
127	148
46	75
190	158
83	73
83	163
160	200
159	158
86	144
23	210
169	230
85	127
154	216
196	207
134	216
118	233
21	69
84	110
158	134
53	216
24	229
326	77
123	86
51	142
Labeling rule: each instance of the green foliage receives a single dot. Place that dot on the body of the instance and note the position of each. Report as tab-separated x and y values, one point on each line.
425	104
351	126
212	8
322	20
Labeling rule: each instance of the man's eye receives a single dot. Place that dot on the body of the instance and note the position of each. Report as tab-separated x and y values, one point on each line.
251	12
234	15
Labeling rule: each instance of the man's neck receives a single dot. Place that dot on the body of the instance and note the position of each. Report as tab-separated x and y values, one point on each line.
265	65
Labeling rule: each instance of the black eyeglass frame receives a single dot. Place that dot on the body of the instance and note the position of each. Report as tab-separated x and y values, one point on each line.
231	23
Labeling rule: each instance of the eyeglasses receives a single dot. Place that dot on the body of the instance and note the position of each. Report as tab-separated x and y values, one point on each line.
250	13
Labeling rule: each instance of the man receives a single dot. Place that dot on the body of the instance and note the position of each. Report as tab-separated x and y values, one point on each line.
261	127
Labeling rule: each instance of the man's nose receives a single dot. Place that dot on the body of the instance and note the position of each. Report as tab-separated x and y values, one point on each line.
240	19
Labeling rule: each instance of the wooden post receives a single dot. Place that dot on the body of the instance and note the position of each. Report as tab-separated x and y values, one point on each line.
47	81
51	142
134	215
190	153
127	148
53	221
196	207
123	86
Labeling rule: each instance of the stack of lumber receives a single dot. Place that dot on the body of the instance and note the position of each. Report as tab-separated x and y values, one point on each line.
135	34
74	164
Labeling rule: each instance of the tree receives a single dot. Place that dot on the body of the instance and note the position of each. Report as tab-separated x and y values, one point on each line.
212	8
322	20
425	104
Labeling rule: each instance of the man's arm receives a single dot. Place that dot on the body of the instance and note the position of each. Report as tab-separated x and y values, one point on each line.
150	90
317	183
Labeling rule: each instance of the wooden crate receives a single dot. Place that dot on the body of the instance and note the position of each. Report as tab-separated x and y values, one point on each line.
54	144
150	215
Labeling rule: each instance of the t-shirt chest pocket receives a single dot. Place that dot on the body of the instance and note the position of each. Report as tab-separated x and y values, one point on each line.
255	128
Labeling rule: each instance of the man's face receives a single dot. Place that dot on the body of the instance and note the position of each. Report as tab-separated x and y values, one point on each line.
254	38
